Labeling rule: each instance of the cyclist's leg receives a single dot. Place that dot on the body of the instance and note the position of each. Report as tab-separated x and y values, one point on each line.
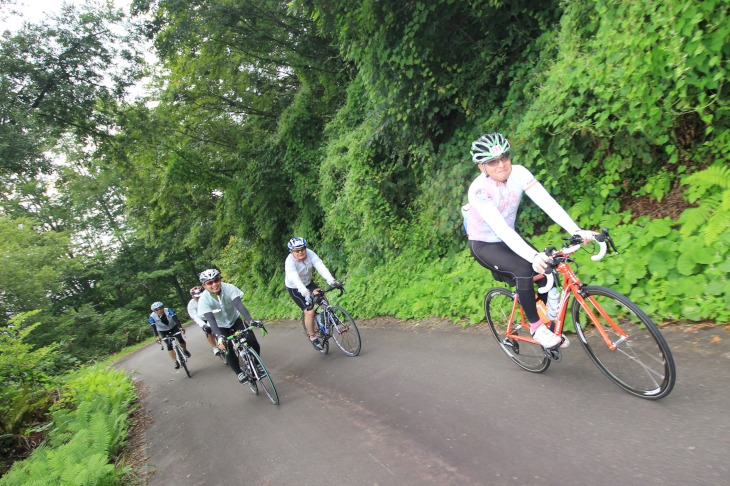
180	339
299	300
499	257
231	357
209	335
168	343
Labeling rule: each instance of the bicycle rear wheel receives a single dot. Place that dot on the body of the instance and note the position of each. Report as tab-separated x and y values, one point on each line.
266	382
243	362
498	304
182	359
344	331
641	363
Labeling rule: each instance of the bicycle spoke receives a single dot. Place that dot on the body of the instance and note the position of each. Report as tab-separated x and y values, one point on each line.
343	330
641	363
498	305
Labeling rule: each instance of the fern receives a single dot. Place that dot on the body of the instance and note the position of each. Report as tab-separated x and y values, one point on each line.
712	216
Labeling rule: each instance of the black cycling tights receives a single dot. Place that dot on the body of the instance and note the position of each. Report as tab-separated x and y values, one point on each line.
499	258
250	337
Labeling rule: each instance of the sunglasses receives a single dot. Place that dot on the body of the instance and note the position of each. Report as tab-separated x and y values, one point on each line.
214	281
494	162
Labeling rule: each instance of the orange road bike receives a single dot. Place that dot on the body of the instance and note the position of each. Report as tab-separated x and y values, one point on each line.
617	335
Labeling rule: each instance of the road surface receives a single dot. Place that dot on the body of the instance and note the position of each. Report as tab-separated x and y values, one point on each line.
432	405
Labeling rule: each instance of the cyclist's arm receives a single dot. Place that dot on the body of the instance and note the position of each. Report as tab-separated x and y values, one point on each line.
154	327
542	198
177	321
489	213
322	269
292	277
241	309
210	317
200	322
193	313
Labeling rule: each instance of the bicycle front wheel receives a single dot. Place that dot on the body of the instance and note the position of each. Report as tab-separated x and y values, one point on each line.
243	362
641	362
498	305
344	331
182	359
263	376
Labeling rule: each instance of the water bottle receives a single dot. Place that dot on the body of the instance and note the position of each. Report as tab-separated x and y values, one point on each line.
553	301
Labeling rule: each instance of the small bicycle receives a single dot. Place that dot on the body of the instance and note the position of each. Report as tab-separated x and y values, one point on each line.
179	354
617	335
333	322
252	365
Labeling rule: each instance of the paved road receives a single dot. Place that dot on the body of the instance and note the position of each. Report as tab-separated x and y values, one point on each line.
433	406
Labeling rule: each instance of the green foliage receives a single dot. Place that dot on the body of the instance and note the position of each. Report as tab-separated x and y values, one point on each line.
24	378
28	250
710	189
349	123
89	426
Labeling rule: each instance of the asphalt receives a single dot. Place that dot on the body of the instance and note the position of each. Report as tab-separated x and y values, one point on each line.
432	404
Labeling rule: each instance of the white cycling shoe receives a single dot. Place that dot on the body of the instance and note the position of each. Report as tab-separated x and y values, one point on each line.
566	341
546	338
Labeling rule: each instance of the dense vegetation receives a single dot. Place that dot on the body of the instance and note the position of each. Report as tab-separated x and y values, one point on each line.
348	123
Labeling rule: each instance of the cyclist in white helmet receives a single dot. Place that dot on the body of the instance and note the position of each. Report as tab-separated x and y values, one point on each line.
489	219
220	305
298	269
164	322
195	294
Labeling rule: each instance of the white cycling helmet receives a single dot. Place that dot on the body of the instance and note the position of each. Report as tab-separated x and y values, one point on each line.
489	146
196	291
297	242
210	274
157	305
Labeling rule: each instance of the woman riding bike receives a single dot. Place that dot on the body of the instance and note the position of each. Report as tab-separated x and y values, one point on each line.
494	198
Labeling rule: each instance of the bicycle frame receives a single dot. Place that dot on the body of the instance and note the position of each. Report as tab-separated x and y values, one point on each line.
571	284
174	342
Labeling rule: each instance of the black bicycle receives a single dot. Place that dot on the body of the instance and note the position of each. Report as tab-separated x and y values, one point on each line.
179	352
252	365
333	322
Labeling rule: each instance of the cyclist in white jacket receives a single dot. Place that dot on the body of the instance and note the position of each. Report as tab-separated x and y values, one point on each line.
195	293
298	269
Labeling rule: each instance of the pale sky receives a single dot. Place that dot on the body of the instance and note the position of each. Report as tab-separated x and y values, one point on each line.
35	10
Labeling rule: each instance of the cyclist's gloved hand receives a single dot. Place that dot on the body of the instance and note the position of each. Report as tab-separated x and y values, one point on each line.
587	236
221	342
336	285
539	263
257	323
308	300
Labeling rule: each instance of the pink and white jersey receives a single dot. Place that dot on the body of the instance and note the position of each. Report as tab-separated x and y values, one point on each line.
492	209
490	201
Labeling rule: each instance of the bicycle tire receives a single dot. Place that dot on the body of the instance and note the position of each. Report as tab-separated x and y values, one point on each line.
266	382
643	364
243	362
182	359
344	331
498	304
